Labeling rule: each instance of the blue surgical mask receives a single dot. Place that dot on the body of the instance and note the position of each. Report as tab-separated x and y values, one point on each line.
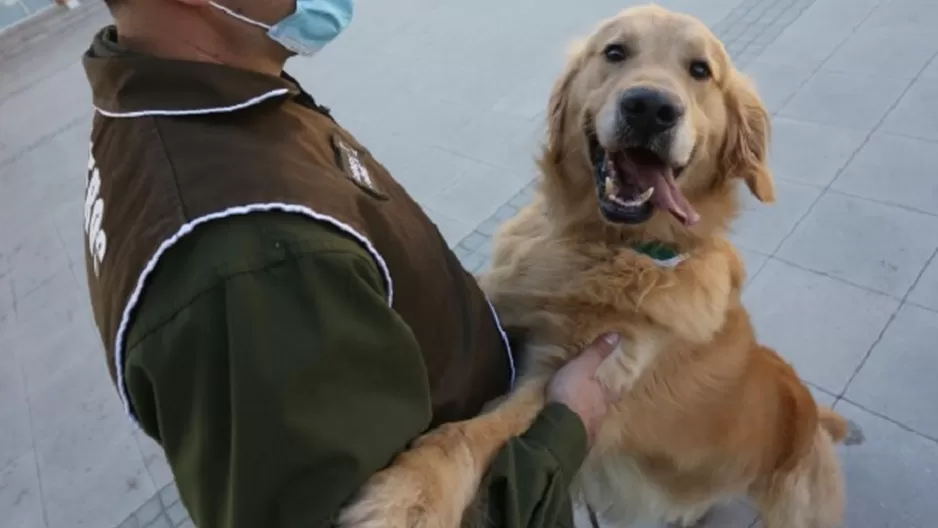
312	25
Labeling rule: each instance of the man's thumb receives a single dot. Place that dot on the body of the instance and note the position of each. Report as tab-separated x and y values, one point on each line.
603	346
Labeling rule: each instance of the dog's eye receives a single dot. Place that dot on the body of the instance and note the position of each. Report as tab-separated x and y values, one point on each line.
615	53
700	70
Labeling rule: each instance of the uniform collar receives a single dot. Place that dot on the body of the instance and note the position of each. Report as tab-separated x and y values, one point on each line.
128	84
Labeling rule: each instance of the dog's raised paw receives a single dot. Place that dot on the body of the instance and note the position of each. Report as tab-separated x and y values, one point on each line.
390	499
690	521
414	492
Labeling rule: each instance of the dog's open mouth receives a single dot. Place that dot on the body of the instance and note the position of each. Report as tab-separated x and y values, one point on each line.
632	183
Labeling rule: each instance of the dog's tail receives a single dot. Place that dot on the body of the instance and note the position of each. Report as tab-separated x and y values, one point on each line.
841	429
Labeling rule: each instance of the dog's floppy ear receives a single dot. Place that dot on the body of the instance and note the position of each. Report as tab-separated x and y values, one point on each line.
748	131
559	99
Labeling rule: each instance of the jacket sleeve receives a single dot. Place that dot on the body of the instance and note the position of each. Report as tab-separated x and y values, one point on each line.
528	484
280	389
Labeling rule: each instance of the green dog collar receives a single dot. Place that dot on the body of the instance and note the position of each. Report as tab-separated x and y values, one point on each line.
663	254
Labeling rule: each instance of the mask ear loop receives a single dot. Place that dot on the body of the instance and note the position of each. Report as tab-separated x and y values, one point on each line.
239	16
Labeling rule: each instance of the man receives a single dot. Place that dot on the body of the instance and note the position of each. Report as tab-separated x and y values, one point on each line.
277	312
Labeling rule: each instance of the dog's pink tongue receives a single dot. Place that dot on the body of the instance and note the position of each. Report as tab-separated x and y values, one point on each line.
667	194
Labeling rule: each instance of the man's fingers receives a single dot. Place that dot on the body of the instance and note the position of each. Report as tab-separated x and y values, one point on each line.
595	353
605	344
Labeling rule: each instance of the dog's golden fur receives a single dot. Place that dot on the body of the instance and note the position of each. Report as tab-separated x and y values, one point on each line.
707	412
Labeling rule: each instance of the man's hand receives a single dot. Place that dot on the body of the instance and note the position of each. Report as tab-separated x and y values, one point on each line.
575	385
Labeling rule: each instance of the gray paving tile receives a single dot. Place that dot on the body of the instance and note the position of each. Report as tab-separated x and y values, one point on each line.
762	227
821	396
11	13
422	169
35	258
711	13
824	327
150	510
160	522
474	263
753	25
67	220
61	359
169	495
894	169
753	262
735	514
50	175
849	13
898	378
777	82
876	246
102	457
472	200
130	522
12	388
35	122
528	97
804	45
67	399
452	230
15	432
20	494
811	153
48	322
177	514
917	111
891	477
513	149
71	30
882	51
35	6
925	292
931	70
845	99
904	15
155	461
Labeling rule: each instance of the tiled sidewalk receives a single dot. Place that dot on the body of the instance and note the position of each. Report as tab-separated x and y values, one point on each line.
450	96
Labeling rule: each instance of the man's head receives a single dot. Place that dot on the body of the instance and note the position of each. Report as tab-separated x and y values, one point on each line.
246	33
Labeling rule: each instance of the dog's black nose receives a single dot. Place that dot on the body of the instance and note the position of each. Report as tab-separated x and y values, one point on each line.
649	111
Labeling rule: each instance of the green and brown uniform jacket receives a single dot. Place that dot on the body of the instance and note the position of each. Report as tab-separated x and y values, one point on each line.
277	312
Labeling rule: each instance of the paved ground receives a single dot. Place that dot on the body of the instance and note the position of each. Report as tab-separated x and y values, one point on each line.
451	96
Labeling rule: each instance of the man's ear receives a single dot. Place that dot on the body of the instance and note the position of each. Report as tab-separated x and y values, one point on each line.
557	107
748	132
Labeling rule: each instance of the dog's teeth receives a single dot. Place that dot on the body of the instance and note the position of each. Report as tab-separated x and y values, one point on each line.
611	188
644	197
647	194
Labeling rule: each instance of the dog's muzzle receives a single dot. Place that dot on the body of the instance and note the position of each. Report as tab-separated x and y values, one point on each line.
648	118
632	152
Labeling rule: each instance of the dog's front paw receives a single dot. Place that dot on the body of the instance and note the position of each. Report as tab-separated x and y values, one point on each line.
393	498
696	518
425	487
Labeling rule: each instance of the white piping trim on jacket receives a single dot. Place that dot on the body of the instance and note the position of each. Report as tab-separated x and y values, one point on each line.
511	355
197	111
188	228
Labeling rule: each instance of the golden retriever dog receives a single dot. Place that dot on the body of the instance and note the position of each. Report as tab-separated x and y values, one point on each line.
651	130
